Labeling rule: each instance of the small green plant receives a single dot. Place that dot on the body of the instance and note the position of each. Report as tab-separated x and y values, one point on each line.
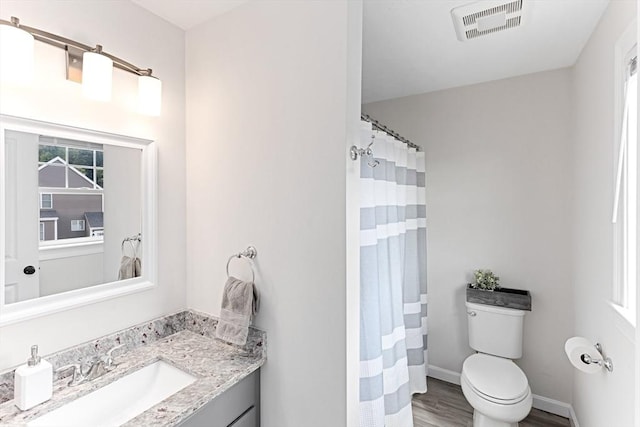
485	279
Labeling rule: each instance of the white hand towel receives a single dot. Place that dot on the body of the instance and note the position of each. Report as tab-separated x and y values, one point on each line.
239	304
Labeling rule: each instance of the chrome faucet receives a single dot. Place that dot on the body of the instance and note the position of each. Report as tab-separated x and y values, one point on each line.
76	376
95	368
108	357
100	365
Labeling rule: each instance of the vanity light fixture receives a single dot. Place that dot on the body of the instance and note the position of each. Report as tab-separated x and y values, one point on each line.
85	64
16	48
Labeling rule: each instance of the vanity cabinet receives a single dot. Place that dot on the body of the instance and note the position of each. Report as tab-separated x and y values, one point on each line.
237	407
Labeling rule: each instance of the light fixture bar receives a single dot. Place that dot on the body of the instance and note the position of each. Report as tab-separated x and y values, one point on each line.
90	66
62	43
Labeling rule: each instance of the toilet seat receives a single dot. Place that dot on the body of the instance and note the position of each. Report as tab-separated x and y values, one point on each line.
495	379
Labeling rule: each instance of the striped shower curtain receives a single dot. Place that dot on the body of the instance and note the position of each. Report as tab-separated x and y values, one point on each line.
393	288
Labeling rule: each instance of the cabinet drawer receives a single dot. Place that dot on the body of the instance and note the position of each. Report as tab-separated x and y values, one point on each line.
249	419
229	406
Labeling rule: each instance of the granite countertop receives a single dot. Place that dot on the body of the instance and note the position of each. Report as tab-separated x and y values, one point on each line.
218	366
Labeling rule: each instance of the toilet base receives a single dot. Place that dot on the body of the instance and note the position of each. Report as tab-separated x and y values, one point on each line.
481	420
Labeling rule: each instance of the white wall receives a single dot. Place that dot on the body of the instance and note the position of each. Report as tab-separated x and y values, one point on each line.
267	125
354	96
122	206
498	198
637	388
143	39
54	274
604	398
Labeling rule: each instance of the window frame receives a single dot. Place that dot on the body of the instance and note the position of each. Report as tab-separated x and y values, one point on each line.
626	223
42	206
78	222
68	165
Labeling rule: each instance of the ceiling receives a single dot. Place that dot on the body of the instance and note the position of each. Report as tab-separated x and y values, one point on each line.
410	46
187	14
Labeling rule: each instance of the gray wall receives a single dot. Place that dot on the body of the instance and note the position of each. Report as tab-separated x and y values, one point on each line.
73	206
498	157
267	88
49	230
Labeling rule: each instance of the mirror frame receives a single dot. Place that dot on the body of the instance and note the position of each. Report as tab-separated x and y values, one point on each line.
36	307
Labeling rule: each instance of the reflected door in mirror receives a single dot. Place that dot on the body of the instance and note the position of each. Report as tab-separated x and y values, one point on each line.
21	193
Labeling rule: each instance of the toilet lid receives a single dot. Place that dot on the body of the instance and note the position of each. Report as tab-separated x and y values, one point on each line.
495	377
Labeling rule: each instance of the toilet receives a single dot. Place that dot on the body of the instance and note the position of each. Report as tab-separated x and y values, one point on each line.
492	383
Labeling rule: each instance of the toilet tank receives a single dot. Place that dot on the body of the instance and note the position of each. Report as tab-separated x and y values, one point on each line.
495	330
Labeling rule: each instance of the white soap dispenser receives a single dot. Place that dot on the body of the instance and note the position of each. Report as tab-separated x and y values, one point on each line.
33	382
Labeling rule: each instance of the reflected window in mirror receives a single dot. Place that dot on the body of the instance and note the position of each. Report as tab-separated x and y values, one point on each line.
70	183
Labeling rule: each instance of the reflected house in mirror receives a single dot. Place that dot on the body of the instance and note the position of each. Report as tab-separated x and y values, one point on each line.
70	183
95	223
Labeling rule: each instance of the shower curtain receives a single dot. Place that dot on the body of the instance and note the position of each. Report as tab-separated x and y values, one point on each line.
393	288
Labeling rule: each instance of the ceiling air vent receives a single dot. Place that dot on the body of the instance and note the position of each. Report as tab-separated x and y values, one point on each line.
486	17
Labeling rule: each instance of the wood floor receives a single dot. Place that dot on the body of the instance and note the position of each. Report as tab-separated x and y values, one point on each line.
444	405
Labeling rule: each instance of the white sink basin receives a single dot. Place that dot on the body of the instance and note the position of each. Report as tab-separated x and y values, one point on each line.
120	401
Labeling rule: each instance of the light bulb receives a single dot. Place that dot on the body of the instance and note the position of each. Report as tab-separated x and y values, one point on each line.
97	76
16	55
149	95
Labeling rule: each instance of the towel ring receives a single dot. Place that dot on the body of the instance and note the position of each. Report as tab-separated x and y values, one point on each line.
134	248
248	254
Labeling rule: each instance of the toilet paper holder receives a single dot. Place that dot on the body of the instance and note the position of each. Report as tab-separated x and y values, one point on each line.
588	360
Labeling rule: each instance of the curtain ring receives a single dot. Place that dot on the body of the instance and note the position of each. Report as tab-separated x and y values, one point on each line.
253	273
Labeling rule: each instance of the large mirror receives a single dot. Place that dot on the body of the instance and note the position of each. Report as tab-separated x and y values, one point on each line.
77	216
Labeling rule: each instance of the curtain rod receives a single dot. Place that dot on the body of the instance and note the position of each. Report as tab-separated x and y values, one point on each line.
377	125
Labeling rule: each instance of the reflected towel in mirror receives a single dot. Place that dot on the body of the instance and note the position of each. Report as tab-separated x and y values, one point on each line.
130	267
239	304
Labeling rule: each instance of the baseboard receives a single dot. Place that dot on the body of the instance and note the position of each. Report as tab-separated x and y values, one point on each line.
573	418
444	375
539	402
551	405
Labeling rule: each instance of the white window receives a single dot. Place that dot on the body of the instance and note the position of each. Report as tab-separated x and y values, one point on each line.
42	231
74	172
77	225
625	216
46	201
